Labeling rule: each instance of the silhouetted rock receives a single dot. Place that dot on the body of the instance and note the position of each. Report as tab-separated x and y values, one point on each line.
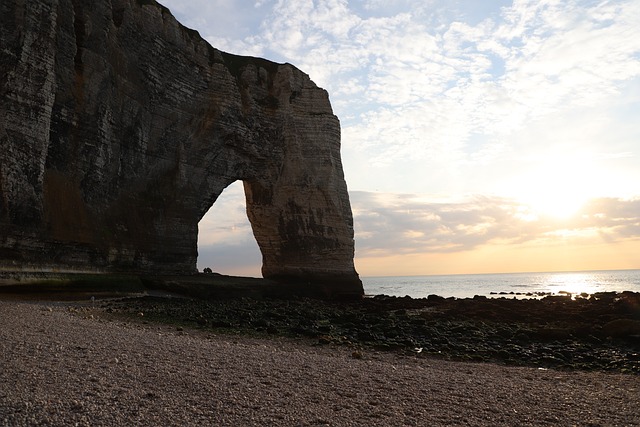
120	128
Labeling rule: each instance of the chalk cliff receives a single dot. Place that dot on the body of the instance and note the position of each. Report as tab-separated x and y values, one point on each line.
119	128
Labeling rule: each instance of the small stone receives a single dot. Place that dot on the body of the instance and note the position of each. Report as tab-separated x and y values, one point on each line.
325	339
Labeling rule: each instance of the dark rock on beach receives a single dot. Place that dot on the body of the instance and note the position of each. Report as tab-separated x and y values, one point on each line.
599	332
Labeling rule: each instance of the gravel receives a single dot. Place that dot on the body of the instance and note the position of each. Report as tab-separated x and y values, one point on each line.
63	366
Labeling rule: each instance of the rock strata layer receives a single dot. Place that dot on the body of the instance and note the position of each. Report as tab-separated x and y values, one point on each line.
120	127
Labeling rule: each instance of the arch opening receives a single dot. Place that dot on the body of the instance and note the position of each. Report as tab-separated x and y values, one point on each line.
226	243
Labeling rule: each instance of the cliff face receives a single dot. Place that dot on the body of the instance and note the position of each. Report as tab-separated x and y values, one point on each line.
120	128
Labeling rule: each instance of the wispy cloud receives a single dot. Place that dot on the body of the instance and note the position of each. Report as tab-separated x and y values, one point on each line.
392	224
414	80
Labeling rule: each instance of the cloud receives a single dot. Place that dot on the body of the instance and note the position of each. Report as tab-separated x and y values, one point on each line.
617	218
392	224
248	47
235	258
410	79
226	220
213	16
574	55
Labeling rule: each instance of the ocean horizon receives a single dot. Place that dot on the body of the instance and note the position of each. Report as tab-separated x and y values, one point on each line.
518	285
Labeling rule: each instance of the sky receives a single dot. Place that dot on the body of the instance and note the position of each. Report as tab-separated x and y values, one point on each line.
477	137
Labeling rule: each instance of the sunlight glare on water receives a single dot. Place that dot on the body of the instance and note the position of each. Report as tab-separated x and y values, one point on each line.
506	284
572	283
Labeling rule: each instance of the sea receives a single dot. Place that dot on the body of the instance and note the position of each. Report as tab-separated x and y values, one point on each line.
505	285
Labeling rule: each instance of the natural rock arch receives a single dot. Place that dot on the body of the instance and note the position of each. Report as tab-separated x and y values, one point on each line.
122	127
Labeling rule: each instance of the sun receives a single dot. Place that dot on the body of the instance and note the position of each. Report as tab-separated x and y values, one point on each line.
558	187
558	203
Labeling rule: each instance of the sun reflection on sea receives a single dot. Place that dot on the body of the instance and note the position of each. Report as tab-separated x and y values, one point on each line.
572	283
506	285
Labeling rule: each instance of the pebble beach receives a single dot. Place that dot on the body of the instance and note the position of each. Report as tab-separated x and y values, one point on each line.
60	367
